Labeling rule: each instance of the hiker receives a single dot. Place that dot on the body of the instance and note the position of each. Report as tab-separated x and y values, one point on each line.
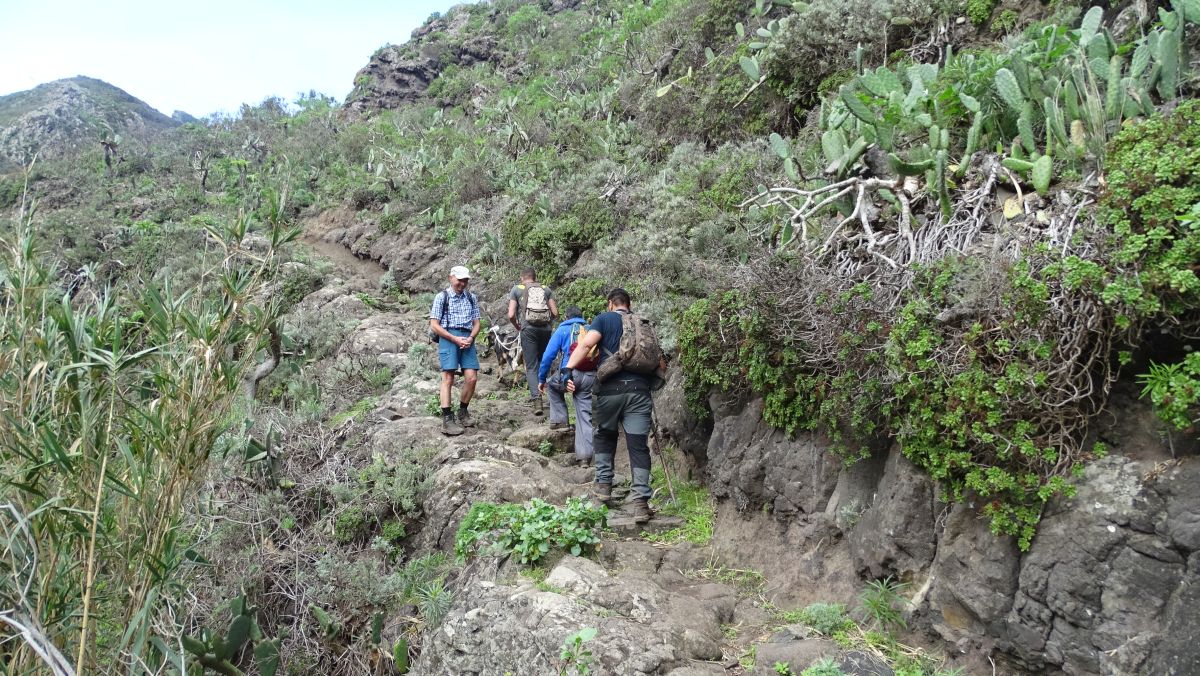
454	319
562	343
621	396
532	311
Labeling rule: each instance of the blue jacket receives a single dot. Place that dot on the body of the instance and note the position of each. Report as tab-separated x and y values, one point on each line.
560	342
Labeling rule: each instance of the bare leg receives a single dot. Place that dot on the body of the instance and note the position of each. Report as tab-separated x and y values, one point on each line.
470	378
448	384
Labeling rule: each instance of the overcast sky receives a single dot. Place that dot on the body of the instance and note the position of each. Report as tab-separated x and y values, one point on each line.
202	57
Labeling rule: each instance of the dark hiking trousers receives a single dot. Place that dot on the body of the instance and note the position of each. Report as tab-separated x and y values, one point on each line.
534	340
630	410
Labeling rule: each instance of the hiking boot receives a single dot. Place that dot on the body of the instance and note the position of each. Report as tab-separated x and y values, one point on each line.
465	419
560	426
538	407
639	509
450	426
602	493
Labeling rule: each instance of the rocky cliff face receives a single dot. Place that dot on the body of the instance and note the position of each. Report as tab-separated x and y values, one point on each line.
66	116
1109	585
399	74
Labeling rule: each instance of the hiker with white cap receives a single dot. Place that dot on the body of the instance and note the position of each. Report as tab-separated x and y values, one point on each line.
454	319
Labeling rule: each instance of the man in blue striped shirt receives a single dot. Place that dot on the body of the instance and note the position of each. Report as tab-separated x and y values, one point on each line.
454	318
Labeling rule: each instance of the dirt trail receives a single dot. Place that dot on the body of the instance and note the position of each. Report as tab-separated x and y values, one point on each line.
321	233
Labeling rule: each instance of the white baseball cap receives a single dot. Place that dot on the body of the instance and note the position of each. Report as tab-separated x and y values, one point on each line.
460	272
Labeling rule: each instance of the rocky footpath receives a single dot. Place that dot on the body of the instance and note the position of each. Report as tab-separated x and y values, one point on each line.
1109	585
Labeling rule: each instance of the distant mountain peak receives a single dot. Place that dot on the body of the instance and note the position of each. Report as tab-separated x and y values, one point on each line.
68	115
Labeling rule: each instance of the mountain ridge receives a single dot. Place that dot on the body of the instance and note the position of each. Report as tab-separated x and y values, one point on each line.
63	116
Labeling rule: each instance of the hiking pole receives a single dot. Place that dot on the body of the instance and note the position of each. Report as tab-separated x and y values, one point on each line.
663	457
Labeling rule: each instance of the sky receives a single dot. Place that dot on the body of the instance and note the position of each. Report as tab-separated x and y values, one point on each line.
202	57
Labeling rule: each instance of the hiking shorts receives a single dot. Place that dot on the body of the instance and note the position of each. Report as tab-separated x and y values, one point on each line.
452	357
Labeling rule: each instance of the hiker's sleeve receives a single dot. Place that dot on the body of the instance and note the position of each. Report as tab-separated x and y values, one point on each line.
552	350
475	316
435	312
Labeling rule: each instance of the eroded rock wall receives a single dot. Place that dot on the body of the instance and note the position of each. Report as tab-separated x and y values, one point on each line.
1109	585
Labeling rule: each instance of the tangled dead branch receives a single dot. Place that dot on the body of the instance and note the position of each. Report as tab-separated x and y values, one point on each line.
838	282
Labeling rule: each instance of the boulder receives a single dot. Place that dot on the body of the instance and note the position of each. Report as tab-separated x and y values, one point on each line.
387	333
1105	583
533	436
798	655
753	464
642	626
895	535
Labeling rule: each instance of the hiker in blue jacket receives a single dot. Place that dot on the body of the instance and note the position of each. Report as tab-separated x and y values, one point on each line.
559	350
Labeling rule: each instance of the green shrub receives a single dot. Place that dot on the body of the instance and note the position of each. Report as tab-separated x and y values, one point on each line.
979	11
827	618
824	667
529	531
349	524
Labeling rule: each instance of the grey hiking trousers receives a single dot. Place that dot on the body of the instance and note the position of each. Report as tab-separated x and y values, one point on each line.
584	381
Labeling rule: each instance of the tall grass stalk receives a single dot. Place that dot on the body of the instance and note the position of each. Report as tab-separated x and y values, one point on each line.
109	408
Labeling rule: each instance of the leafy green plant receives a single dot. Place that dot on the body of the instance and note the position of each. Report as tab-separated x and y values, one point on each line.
979	11
783	669
692	502
221	652
827	618
575	656
824	667
883	604
546	448
111	409
1174	390
529	531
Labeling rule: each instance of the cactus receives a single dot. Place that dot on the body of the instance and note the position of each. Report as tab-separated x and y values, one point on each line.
1078	134
400	656
215	652
973	136
1089	25
1114	102
833	144
1009	90
1025	128
1042	171
266	656
780	146
1071	99
1054	121
908	168
943	186
856	106
1141	60
1017	165
848	158
1021	75
1168	62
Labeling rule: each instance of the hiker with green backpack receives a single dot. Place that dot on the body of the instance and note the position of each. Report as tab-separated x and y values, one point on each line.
532	311
631	366
562	343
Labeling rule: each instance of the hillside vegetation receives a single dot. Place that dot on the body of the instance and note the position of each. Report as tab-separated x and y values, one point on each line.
945	224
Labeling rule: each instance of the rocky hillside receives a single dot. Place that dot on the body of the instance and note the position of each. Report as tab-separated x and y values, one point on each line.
65	116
